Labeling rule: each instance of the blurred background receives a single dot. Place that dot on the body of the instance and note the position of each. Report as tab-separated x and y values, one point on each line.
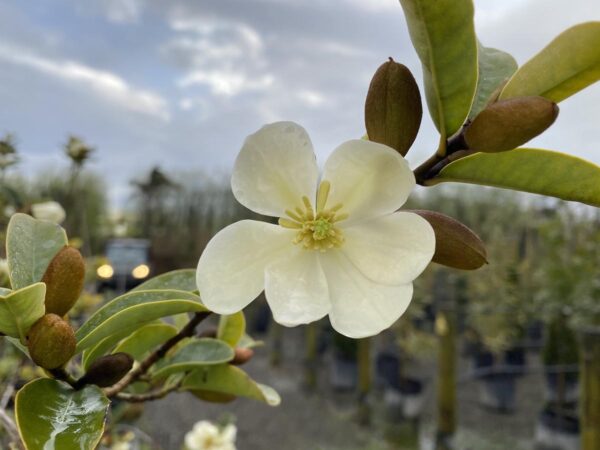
129	113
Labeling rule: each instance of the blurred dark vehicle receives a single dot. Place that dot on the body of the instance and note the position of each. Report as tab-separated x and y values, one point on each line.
127	265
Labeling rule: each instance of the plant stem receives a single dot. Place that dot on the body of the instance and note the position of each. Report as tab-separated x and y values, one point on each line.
149	396
11	428
145	365
62	375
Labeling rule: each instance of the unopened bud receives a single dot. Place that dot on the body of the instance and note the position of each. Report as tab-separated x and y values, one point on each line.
107	370
242	356
456	245
51	342
64	280
393	109
508	124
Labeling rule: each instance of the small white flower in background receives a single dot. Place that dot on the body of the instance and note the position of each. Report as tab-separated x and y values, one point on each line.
340	248
51	211
122	445
207	436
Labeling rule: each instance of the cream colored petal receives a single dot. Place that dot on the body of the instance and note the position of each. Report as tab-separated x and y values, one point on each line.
296	288
369	179
230	272
359	306
275	169
392	249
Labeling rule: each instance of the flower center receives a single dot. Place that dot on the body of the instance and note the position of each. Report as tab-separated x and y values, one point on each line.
316	228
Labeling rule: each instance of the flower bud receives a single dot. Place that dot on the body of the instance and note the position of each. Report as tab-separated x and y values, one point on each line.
456	245
242	356
64	279
51	211
393	108
51	342
507	124
107	370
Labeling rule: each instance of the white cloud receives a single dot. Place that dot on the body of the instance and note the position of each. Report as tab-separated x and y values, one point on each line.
226	56
106	84
123	11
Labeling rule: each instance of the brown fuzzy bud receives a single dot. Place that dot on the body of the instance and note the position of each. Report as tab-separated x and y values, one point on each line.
242	356
51	342
507	124
107	370
64	280
393	109
456	245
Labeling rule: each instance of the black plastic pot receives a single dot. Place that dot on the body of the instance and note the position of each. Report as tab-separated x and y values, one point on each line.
570	387
557	430
498	378
387	369
343	374
405	399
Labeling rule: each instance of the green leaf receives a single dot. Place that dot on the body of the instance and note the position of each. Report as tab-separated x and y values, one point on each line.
145	339
570	63
495	67
530	170
51	415
246	341
20	309
231	328
443	35
196	353
181	280
30	246
231	380
131	310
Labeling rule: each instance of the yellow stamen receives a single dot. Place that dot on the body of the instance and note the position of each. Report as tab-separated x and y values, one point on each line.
322	195
286	223
316	228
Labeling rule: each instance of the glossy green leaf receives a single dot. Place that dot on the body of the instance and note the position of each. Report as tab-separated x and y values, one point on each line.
181	280
20	309
51	415
146	339
530	170
495	67
131	310
30	246
232	328
230	380
195	353
443	35
567	65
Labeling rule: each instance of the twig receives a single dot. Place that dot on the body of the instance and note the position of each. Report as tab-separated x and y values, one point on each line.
11	428
62	375
149	396
145	365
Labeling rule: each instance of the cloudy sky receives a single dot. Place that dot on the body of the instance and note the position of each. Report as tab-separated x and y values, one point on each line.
180	83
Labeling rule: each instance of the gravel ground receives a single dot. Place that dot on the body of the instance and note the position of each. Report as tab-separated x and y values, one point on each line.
324	420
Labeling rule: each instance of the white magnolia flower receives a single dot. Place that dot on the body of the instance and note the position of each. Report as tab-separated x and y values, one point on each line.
207	436
51	211
340	248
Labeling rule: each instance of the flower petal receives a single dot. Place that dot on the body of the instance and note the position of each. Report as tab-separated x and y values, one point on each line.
296	288
368	178
392	249
359	306
230	272
275	169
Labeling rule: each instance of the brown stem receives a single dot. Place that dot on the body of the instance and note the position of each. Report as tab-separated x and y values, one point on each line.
61	374
148	396
145	365
11	429
448	151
